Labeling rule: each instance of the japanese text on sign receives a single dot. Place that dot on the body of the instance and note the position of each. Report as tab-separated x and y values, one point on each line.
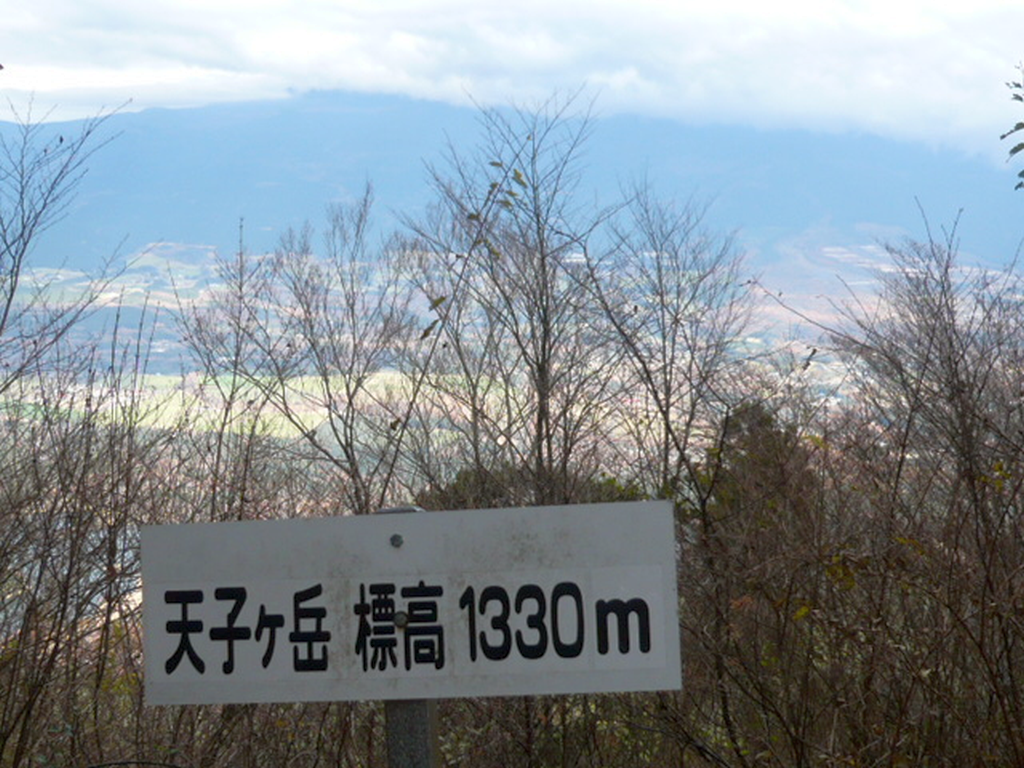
309	628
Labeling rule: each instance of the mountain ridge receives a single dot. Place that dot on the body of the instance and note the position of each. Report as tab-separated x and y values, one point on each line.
811	213
190	176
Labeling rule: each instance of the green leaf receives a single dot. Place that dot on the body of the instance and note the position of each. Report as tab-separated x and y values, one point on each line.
429	329
435	303
1017	127
1017	149
517	177
497	164
473	216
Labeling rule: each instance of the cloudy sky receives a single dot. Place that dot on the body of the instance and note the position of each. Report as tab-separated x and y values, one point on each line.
932	71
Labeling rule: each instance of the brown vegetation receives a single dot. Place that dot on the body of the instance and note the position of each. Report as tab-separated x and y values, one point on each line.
850	570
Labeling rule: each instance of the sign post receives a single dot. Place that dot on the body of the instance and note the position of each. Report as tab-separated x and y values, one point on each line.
410	725
506	602
411	734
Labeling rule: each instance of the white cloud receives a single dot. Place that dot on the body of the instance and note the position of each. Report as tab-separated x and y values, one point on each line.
926	71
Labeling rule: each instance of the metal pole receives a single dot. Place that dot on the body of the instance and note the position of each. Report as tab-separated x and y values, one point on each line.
410	725
410	729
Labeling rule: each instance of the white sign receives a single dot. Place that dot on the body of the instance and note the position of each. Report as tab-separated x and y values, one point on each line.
575	599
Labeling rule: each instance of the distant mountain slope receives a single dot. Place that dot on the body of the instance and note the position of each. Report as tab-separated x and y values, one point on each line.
188	176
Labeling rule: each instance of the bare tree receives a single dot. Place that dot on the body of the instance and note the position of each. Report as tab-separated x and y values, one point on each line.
218	330
313	335
522	356
672	294
937	364
40	171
